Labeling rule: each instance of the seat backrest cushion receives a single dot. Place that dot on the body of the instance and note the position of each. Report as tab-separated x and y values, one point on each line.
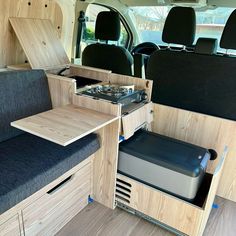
206	46
195	82
22	94
108	57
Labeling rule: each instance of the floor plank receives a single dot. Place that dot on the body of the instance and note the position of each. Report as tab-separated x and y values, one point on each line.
97	220
222	221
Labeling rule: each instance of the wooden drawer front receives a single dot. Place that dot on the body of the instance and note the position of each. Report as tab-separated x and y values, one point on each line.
51	212
11	227
164	208
136	119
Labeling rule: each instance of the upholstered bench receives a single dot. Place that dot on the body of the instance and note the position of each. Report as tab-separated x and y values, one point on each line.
28	163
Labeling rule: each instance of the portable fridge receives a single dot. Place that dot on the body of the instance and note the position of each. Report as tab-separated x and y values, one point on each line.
165	163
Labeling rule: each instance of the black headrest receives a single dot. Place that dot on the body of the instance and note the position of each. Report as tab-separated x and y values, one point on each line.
206	46
108	26
180	26
228	38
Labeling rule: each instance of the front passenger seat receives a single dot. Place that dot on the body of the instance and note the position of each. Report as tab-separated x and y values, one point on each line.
104	56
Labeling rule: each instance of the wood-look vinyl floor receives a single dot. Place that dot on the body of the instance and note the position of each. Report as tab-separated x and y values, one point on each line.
222	221
98	220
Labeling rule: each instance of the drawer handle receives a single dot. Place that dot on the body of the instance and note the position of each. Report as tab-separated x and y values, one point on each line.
60	185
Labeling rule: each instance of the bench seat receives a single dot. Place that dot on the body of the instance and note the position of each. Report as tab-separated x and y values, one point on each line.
28	163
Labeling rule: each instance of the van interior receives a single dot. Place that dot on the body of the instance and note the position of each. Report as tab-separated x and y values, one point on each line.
118	117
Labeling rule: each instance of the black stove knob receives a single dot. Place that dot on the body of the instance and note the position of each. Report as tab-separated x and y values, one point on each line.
144	96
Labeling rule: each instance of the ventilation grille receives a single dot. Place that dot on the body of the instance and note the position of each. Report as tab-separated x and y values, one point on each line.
123	191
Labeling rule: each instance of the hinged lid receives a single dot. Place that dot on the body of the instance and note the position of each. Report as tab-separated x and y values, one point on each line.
170	153
41	45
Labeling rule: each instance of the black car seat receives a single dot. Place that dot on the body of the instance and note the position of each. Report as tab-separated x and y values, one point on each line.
228	37
197	82
104	56
179	28
206	46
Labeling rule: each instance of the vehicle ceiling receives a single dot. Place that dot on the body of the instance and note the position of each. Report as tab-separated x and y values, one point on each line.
123	5
193	3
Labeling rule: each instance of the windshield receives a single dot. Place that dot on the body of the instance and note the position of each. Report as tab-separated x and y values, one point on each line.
150	22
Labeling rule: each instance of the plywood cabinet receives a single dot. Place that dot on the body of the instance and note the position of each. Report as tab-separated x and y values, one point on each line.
133	121
162	207
180	216
203	130
52	211
11	227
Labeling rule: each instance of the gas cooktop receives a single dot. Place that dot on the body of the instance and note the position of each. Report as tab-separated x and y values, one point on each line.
124	95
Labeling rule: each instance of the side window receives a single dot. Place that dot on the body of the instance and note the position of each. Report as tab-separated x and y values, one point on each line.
89	32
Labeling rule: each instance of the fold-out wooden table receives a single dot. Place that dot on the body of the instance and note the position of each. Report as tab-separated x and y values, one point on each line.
64	125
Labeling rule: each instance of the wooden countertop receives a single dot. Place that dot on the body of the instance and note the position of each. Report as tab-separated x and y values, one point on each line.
64	125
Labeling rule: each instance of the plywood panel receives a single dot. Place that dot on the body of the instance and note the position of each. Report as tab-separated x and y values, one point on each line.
105	165
203	130
90	72
97	105
11	227
61	90
40	42
212	193
53	210
165	208
136	119
25	66
10	51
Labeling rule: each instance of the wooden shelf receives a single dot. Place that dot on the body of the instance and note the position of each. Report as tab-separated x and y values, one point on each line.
25	66
64	125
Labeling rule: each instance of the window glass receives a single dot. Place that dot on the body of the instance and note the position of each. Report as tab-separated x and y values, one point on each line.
150	22
210	23
89	32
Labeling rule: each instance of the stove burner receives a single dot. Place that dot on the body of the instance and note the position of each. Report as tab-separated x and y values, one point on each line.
116	94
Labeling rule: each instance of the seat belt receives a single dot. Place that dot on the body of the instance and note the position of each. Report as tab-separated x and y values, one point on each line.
81	28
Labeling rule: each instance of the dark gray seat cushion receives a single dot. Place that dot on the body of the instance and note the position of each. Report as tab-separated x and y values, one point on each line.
28	163
22	94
